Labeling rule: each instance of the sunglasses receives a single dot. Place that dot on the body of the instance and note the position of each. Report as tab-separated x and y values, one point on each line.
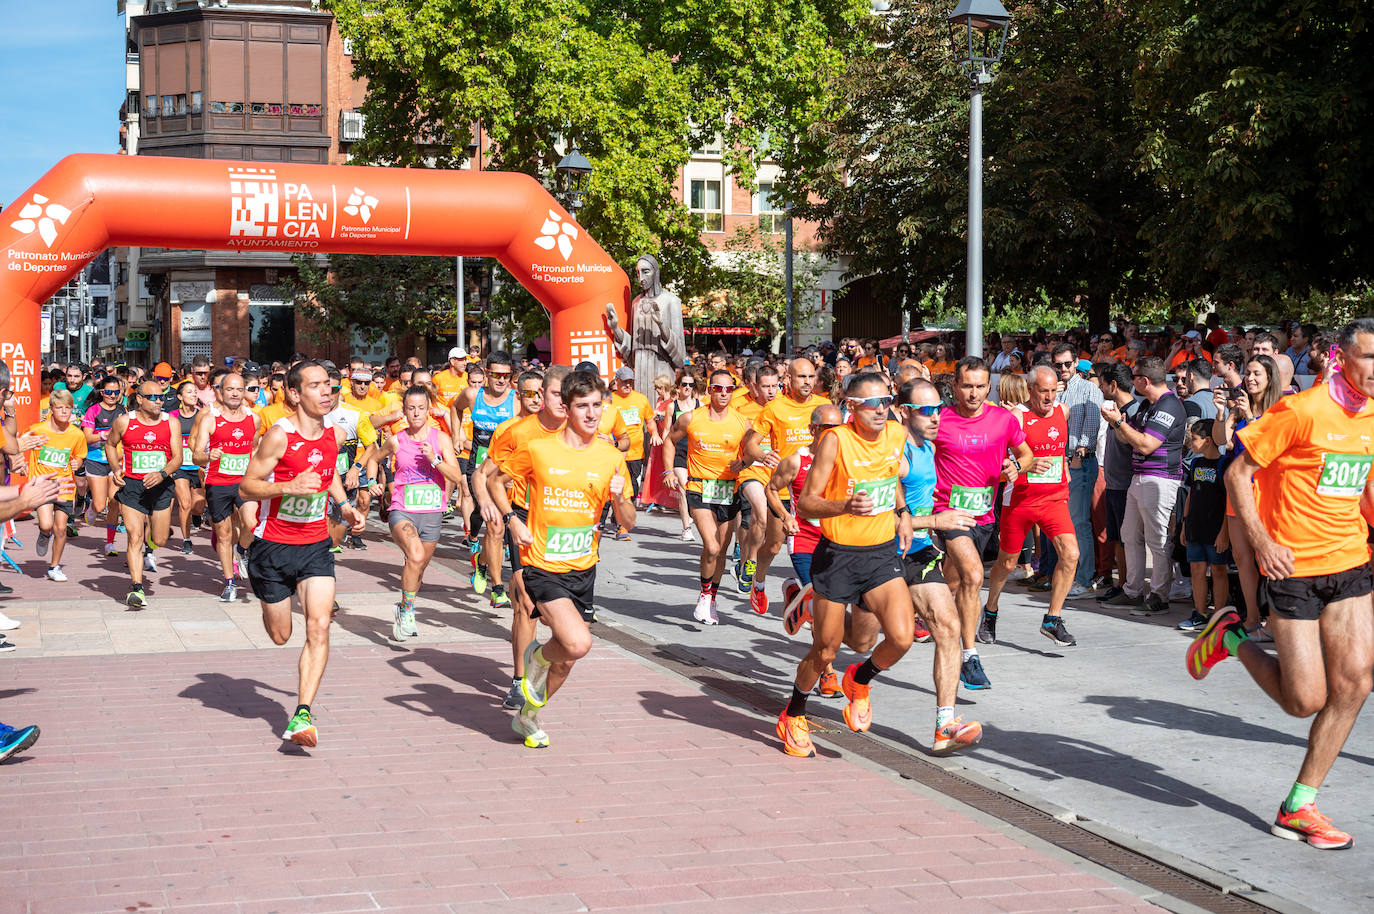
334	390
109	393
200	372
498	374
924	410
871	402
254	389
531	394
158	377
686	384
1064	365
721	388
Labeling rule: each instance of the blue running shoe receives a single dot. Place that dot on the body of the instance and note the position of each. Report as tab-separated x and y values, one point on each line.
14	740
971	674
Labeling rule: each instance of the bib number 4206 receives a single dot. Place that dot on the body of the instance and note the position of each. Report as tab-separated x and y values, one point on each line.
568	543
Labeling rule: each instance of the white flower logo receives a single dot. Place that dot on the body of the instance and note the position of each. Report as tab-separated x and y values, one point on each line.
361	203
556	231
44	216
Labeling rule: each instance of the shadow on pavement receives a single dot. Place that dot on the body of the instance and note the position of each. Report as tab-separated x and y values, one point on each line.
704	711
240	697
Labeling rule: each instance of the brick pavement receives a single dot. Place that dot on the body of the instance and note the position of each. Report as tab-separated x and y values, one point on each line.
160	782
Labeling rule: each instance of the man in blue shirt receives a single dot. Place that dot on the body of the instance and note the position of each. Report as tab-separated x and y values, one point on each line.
75	381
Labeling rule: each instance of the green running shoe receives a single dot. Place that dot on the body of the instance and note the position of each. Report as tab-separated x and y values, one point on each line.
301	730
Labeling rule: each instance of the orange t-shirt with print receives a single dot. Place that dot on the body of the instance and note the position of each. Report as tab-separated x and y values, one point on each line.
863	464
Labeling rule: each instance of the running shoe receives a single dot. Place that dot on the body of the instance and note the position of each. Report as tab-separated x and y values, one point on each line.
1121	599
55	573
334	610
705	610
408	622
111	550
119	527
1079	592
513	699
71	529
1053	628
301	730
1018	574
1306	824
1193	623
356	542
6	646
828	686
479	575
987	628
971	674
1034	578
185	547
758	600
858	714
1152	605
1260	635
335	550
1111	593
1208	648
500	600
7	624
688	535
149	563
621	535
41	545
919	632
795	733
231	593
1042	585
526	724
534	686
798	613
1100	582
16	739
136	599
746	576
955	735
398	629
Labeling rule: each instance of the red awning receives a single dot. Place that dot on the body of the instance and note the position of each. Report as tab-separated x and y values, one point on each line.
915	336
726	331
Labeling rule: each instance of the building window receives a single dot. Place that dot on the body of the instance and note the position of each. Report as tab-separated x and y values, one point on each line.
305	110
770	213
150	107
169	105
268	108
705	202
226	107
195	103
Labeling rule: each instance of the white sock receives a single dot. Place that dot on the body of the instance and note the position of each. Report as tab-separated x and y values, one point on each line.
968	652
943	716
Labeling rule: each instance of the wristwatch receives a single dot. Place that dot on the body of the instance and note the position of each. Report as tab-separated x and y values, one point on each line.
507	516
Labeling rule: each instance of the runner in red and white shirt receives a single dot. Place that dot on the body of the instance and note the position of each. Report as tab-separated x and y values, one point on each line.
293	474
151	444
222	441
1038	497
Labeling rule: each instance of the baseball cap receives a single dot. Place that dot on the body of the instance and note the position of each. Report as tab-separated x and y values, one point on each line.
362	374
624	374
1192	335
457	352
747	352
162	369
587	366
1085	366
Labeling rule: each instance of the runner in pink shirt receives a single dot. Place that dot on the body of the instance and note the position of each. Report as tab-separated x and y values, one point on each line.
978	445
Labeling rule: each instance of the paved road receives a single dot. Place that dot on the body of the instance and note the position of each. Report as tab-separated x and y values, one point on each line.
1112	730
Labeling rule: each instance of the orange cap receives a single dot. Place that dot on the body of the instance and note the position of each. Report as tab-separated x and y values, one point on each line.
162	368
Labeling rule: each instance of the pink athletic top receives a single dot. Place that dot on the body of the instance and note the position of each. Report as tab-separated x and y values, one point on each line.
968	458
418	486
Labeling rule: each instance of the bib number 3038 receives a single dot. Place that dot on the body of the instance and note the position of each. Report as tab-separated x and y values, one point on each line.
565	544
1344	475
302	509
233	464
974	500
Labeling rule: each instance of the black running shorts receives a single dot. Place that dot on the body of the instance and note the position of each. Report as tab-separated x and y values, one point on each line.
144	500
722	513
511	549
97	467
843	574
190	475
923	567
222	500
1305	598
546	586
274	569
981	536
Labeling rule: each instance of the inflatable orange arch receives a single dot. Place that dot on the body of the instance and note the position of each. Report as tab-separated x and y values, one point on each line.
87	203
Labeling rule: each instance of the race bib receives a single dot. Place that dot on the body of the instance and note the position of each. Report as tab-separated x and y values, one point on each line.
233	464
1344	475
148	461
630	415
922	510
717	491
301	509
1054	474
976	500
422	496
564	544
882	491
479	455
342	464
54	457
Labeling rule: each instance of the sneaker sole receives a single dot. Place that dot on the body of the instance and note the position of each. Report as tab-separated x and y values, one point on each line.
974	688
860	726
23	744
1056	639
950	746
791	750
309	737
1292	834
1206	631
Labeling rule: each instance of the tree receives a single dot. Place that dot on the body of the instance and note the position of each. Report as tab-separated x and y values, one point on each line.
373	294
1064	201
635	85
1262	138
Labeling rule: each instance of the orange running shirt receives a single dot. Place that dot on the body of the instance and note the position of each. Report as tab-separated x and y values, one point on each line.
450	386
568	488
1314	457
55	457
634	409
270	413
759	472
466	422
612	425
711	446
509	437
871	465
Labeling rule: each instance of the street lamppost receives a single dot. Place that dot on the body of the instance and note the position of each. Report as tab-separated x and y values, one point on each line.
575	175
977	34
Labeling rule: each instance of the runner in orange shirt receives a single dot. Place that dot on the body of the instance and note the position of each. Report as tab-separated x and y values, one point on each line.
453	380
638	414
853	488
62	452
1310	456
782	428
570	476
760	389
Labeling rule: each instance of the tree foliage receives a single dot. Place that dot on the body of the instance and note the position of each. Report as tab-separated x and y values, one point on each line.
373	294
635	85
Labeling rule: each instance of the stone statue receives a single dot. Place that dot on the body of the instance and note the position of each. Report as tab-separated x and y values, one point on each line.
655	345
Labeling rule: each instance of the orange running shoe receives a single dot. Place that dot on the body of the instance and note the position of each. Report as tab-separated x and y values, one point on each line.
758	601
795	733
828	686
1208	649
920	634
956	735
1306	824
858	714
798	613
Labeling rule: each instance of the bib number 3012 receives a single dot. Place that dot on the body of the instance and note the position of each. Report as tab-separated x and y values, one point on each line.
1344	475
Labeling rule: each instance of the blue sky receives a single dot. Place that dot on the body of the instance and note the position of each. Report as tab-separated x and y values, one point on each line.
62	62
